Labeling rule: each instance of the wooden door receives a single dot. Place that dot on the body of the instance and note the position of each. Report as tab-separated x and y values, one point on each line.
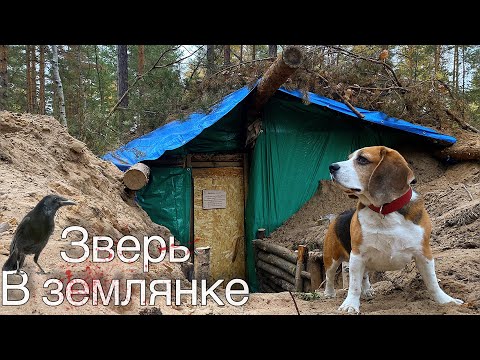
220	227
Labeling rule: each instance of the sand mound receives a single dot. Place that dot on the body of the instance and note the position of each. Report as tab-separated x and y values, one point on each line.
38	157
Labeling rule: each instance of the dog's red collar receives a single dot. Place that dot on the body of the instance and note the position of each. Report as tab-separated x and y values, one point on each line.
395	205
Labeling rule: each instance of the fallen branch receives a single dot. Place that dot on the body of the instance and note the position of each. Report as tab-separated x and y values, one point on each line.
462	123
375	61
350	106
240	64
294	302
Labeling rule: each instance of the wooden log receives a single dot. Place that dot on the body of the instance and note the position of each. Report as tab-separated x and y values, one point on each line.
137	176
466	148
278	250
274	286
300	267
284	285
202	264
277	261
281	69
306	275
314	267
266	288
275	271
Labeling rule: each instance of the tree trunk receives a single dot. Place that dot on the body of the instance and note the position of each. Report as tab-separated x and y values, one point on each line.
122	75
457	68
58	81
33	80
100	89
41	93
136	176
436	65
3	76
80	92
276	75
254	52
141	60
226	55
241	53
28	79
463	69
141	67
272	50
210	59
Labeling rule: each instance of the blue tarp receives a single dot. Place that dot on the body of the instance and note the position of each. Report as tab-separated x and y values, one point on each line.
177	133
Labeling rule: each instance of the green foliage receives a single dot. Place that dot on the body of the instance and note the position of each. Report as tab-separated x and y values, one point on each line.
89	77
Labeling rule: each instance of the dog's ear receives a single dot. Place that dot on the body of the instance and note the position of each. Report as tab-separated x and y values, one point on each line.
390	179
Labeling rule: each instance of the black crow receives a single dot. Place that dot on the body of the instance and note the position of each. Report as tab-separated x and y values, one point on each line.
34	231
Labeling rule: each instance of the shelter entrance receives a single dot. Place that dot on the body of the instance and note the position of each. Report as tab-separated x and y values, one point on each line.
218	213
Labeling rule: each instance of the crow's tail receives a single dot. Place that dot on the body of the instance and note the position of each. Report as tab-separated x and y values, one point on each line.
11	263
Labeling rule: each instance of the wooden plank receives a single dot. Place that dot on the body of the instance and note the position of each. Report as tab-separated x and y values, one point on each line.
278	250
277	261
221	229
275	271
300	267
314	267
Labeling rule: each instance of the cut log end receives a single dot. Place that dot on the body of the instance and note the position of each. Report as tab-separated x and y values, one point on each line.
137	176
292	56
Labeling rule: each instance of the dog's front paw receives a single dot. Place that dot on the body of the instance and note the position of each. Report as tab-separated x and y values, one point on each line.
368	294
446	299
350	305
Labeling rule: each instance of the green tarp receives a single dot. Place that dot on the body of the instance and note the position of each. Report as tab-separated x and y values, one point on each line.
291	156
226	135
167	200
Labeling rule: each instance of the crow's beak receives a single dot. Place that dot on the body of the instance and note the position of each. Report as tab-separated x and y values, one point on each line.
67	202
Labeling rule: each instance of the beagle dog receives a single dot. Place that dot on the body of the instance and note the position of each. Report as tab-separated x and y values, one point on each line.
388	229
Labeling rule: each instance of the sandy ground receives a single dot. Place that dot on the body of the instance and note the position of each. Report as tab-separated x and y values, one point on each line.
37	157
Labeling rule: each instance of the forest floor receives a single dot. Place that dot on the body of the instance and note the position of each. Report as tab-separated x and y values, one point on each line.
38	157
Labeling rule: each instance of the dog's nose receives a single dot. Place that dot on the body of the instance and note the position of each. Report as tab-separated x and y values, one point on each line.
333	168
